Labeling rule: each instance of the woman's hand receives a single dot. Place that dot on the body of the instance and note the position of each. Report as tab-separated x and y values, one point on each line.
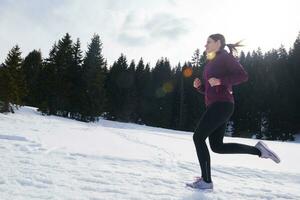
214	81
197	83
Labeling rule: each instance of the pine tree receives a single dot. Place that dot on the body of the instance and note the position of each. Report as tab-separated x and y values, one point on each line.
294	76
94	77
194	105
13	83
246	108
257	84
130	113
179	105
64	61
162	93
240	117
140	90
32	67
76	80
6	88
57	73
116	86
47	82
146	96
196	59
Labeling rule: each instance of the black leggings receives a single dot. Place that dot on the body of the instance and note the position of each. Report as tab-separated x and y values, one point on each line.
213	124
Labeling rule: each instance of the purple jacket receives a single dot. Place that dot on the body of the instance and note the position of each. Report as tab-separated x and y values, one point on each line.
226	68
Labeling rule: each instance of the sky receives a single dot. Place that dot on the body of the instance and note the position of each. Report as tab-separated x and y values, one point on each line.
148	29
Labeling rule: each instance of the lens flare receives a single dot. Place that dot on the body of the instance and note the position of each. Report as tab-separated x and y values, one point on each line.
187	72
162	91
211	55
168	87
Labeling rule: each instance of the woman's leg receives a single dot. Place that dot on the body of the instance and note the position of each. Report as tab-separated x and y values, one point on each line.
215	115
217	145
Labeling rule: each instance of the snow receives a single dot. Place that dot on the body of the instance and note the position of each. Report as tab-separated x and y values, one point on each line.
49	157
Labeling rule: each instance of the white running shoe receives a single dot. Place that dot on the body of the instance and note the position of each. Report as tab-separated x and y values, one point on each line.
266	152
199	183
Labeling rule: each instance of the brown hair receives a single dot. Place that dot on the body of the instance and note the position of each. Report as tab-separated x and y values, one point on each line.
232	47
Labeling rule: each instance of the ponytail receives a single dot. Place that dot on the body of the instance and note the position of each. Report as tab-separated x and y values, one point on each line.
232	47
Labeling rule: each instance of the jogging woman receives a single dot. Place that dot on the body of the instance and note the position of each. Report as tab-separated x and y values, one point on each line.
220	73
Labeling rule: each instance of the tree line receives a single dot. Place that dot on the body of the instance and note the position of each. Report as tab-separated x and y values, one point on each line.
82	86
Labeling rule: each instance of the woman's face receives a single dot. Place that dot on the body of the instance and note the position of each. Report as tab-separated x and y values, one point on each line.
212	46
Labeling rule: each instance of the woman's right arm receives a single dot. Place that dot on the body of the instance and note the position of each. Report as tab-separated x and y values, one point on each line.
199	86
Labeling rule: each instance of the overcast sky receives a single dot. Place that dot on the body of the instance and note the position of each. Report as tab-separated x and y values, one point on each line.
150	29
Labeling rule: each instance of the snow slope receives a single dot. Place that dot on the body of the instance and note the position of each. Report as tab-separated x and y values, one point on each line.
48	157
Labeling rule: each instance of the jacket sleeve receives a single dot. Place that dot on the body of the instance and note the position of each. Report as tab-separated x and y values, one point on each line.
235	72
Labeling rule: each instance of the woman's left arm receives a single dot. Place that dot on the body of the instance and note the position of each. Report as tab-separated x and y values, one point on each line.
236	73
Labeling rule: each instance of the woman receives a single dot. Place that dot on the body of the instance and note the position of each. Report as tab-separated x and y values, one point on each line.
220	73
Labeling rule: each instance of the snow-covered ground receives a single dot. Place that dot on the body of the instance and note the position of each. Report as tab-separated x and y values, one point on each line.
48	157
